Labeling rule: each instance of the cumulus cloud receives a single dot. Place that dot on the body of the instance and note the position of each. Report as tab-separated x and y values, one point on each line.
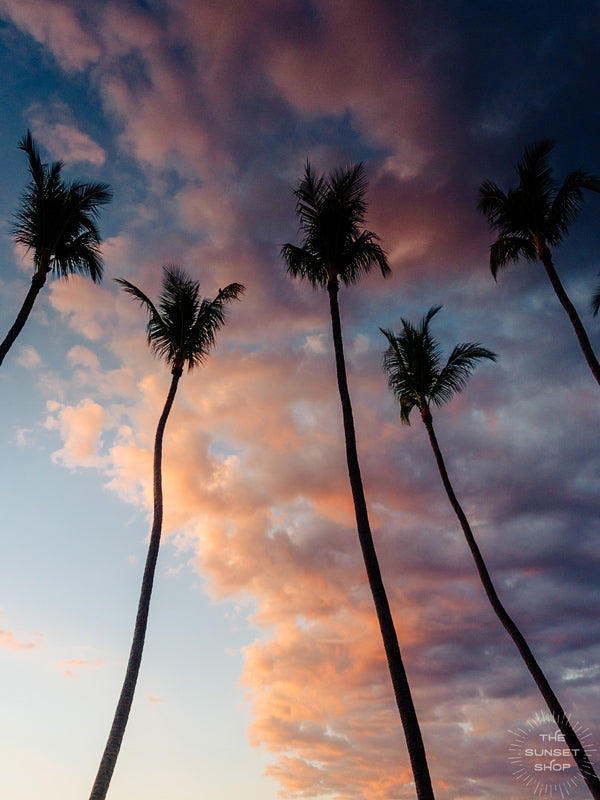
70	667
29	357
10	641
81	428
58	27
55	128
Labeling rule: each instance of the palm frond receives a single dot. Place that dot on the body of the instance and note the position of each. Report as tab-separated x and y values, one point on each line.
568	202
510	248
57	220
331	211
80	255
211	317
412	364
492	201
156	332
397	370
537	210
457	371
182	328
364	252
302	264
535	173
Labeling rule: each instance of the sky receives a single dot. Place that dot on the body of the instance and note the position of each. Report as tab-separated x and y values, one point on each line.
263	674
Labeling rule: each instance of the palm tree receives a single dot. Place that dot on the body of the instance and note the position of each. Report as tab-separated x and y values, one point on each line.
57	221
181	331
534	217
418	380
336	248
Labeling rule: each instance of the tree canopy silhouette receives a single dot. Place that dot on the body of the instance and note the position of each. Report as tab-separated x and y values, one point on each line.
57	221
535	216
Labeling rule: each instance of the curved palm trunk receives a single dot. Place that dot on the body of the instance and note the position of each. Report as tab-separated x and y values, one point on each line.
561	719
582	337
408	716
37	281
115	737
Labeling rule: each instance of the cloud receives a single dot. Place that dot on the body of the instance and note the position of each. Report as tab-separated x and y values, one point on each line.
58	27
54	127
9	640
23	437
89	306
29	357
83	356
69	667
81	428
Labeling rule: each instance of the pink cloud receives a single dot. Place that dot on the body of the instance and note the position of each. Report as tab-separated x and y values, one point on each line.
81	428
69	144
9	640
67	667
55	25
87	304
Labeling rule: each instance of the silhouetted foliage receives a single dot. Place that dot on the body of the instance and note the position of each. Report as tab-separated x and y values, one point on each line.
535	216
57	221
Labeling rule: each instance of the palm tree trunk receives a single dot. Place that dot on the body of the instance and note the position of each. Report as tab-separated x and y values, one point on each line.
582	337
37	281
408	716
115	737
561	719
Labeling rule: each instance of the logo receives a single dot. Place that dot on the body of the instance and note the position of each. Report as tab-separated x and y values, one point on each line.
541	759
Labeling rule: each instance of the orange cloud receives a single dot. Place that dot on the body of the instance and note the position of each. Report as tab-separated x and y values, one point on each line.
9	640
81	428
67	666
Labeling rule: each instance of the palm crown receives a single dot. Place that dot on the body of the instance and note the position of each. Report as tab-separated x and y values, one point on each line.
58	220
537	212
332	212
415	373
182	329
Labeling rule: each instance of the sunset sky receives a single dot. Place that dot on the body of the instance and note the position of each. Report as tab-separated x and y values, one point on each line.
264	672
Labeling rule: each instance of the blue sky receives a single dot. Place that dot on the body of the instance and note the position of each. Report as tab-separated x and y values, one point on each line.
263	670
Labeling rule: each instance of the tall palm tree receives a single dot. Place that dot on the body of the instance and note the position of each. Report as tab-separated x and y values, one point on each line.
181	331
57	221
534	217
337	248
418	380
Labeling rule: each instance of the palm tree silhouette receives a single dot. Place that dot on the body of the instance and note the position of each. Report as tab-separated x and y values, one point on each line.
336	248
57	222
418	380
534	217
181	331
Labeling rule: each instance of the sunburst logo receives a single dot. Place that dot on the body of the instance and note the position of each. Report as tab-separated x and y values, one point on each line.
541	758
